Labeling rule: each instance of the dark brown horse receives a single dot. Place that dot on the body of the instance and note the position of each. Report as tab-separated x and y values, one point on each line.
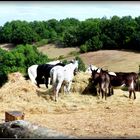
124	79
121	79
103	80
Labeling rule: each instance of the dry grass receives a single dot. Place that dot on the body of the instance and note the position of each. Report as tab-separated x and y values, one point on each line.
55	52
113	60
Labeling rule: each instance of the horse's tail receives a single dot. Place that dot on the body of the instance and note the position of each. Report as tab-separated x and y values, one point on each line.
52	76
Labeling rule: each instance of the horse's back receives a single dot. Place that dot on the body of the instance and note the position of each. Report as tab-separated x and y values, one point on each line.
57	73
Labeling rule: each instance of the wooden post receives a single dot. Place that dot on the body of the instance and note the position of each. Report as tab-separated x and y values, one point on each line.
13	115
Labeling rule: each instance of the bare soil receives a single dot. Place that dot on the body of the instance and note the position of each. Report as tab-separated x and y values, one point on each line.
78	114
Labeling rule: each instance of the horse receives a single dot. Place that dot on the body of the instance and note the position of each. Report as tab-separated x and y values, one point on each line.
43	71
125	79
92	67
122	79
63	75
32	72
102	80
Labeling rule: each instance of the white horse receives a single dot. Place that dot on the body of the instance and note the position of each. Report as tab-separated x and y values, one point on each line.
63	75
88	70
32	71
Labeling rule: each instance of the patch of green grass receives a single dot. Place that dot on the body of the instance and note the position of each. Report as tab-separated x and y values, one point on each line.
42	42
74	53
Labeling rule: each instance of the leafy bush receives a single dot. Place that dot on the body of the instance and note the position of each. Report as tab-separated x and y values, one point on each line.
81	64
19	59
42	42
83	48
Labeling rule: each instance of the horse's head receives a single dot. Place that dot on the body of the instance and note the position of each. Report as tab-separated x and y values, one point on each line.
76	66
95	75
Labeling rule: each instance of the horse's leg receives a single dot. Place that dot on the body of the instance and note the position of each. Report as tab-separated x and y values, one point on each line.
134	94
65	88
130	92
37	80
112	91
98	93
102	91
69	86
109	90
105	92
134	90
46	81
57	90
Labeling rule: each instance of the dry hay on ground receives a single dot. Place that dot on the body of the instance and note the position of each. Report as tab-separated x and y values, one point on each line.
76	114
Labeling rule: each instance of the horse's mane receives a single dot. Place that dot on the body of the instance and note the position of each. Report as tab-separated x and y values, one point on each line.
60	64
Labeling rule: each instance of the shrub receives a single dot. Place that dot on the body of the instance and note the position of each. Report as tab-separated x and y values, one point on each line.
83	48
42	42
81	64
19	59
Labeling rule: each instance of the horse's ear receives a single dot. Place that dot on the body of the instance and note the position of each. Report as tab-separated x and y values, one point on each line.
72	60
97	69
101	70
90	66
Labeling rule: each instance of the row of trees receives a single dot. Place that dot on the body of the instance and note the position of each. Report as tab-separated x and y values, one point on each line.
90	35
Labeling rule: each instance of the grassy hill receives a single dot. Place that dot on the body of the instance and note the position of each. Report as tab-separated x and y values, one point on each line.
113	60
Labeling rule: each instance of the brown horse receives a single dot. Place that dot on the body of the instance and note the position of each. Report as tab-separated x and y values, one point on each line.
103	80
121	79
124	79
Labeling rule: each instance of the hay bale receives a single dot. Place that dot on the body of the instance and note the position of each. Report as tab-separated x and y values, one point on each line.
82	83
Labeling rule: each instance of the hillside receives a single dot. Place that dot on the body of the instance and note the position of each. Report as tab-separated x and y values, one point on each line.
113	60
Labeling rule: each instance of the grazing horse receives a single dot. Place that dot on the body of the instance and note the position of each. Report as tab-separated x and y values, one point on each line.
63	75
124	79
43	71
32	72
102	80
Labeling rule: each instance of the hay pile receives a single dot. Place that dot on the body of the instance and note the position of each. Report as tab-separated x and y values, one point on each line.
20	94
82	83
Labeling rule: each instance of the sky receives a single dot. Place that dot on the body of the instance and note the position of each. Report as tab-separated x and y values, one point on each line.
81	10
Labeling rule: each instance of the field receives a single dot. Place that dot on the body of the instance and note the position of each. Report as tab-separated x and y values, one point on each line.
80	113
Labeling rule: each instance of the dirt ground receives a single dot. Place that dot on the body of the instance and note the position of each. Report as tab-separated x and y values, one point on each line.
104	119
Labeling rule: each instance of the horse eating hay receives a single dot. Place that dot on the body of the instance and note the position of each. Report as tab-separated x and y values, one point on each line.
32	71
102	80
63	75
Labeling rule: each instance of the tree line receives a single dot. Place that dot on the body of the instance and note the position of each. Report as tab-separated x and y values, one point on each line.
89	35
